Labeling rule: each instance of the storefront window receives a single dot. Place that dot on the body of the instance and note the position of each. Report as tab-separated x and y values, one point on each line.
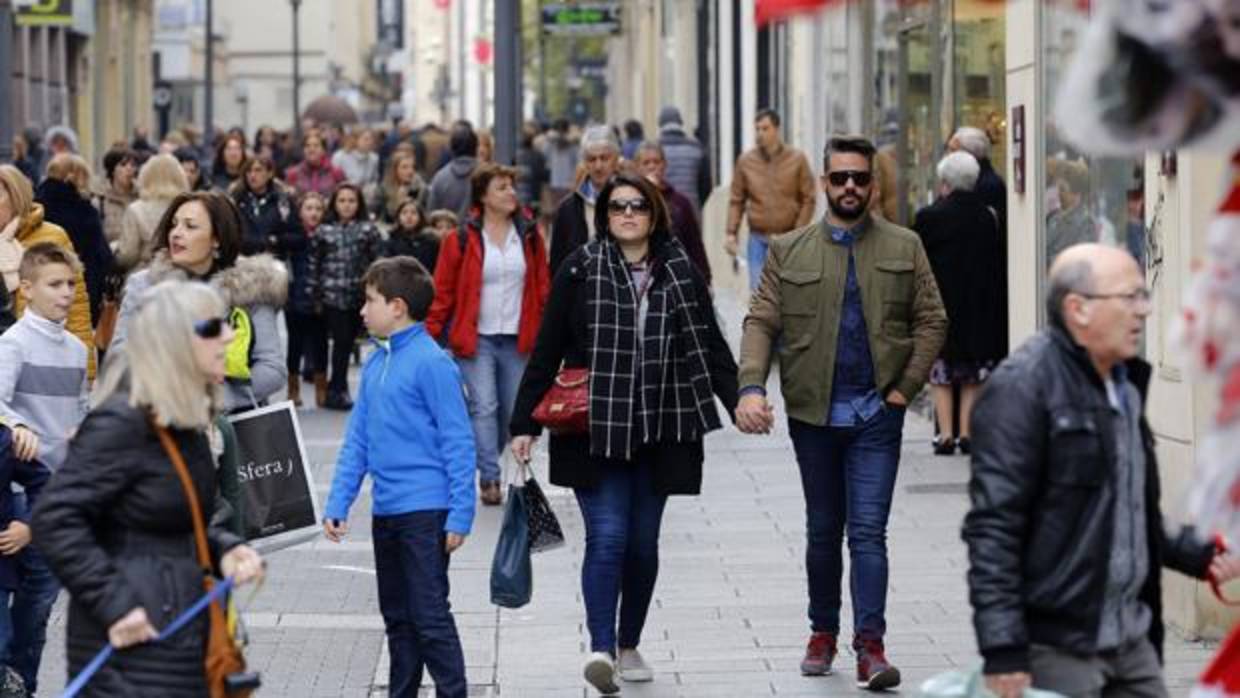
1086	199
938	65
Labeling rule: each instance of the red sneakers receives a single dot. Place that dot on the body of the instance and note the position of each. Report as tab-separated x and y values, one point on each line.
819	655
874	672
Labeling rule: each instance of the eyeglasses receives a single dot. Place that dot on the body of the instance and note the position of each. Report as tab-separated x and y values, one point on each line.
210	328
841	177
639	207
1138	297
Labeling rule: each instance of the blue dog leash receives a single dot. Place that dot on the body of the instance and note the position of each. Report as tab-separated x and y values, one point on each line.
80	681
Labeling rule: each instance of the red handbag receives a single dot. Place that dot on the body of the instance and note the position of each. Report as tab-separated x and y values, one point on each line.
565	409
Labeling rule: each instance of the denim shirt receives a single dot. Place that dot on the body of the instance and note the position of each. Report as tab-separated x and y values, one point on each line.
854	395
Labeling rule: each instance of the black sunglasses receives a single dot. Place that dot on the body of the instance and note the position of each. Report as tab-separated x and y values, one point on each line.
619	206
840	178
210	328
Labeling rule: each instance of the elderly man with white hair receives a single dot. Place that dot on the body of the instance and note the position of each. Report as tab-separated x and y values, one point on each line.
573	225
990	185
967	253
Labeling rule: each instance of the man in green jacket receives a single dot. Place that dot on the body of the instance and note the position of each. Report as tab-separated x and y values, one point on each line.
859	321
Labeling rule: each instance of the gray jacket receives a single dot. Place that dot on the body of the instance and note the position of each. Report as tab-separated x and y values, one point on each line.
258	284
450	186
687	169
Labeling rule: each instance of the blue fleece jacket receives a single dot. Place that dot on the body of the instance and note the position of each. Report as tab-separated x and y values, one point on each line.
410	431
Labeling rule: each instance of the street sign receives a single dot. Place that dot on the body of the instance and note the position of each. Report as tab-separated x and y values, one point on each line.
581	19
162	96
44	13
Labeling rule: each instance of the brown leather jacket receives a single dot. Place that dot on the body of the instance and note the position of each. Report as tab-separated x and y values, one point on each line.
778	191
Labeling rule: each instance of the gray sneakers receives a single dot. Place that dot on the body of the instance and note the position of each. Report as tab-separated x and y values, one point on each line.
633	667
600	672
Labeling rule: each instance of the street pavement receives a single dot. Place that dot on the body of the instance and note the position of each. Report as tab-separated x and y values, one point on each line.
728	618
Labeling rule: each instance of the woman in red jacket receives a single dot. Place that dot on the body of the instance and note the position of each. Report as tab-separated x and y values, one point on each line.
491	284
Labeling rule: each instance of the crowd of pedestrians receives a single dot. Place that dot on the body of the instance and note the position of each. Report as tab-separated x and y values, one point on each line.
482	286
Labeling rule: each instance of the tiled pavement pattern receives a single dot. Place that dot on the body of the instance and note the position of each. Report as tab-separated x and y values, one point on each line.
729	612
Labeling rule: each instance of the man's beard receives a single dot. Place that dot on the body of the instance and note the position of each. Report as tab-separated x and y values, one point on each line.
850	212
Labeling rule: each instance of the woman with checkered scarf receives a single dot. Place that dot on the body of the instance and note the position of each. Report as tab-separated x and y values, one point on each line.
632	308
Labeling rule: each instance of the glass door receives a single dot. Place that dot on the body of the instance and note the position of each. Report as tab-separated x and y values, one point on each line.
918	143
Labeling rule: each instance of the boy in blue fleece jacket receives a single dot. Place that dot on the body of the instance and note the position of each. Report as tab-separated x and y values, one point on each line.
410	431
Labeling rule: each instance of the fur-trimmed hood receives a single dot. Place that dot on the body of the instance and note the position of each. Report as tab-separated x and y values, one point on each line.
258	280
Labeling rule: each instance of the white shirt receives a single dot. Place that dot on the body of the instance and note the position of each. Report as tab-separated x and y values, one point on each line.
503	284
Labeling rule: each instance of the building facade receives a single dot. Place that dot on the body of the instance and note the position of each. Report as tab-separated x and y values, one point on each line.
83	65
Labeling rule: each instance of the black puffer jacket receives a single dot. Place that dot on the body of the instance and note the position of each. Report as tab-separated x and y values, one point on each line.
1043	498
269	222
116	529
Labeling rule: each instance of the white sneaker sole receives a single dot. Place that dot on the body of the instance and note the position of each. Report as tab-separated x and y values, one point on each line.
637	675
601	674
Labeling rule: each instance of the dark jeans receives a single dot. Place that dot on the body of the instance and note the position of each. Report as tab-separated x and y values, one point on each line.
342	328
305	339
32	606
622	518
848	475
412	569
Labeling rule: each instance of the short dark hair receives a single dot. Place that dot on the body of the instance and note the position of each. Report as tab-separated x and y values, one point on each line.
42	254
329	216
633	129
660	220
404	278
186	154
464	141
768	113
859	145
225	224
481	179
115	158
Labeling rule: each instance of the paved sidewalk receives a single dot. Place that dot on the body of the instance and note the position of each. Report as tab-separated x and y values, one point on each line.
729	612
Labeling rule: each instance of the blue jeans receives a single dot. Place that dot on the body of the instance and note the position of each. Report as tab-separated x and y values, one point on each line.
492	377
756	257
32	606
622	517
412	570
848	475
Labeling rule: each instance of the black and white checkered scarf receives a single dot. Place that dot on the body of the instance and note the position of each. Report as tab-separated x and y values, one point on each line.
657	388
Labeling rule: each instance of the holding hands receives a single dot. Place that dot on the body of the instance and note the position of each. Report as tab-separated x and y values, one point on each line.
754	414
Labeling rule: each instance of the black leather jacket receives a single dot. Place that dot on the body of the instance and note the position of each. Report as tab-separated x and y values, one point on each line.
1043	497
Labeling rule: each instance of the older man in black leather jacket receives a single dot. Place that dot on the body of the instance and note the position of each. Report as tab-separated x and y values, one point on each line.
1065	536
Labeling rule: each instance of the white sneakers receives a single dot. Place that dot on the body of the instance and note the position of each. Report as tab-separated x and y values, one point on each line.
600	672
633	667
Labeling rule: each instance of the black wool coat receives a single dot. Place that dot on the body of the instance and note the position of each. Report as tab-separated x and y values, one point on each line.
115	527
64	206
962	240
564	337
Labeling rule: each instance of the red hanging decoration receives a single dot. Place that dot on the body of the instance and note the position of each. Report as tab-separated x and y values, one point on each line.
483	50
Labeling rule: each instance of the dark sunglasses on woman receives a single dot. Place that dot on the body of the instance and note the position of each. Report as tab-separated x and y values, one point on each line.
210	328
619	206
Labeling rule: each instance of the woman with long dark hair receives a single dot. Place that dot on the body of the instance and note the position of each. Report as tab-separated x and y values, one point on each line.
340	253
631	308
